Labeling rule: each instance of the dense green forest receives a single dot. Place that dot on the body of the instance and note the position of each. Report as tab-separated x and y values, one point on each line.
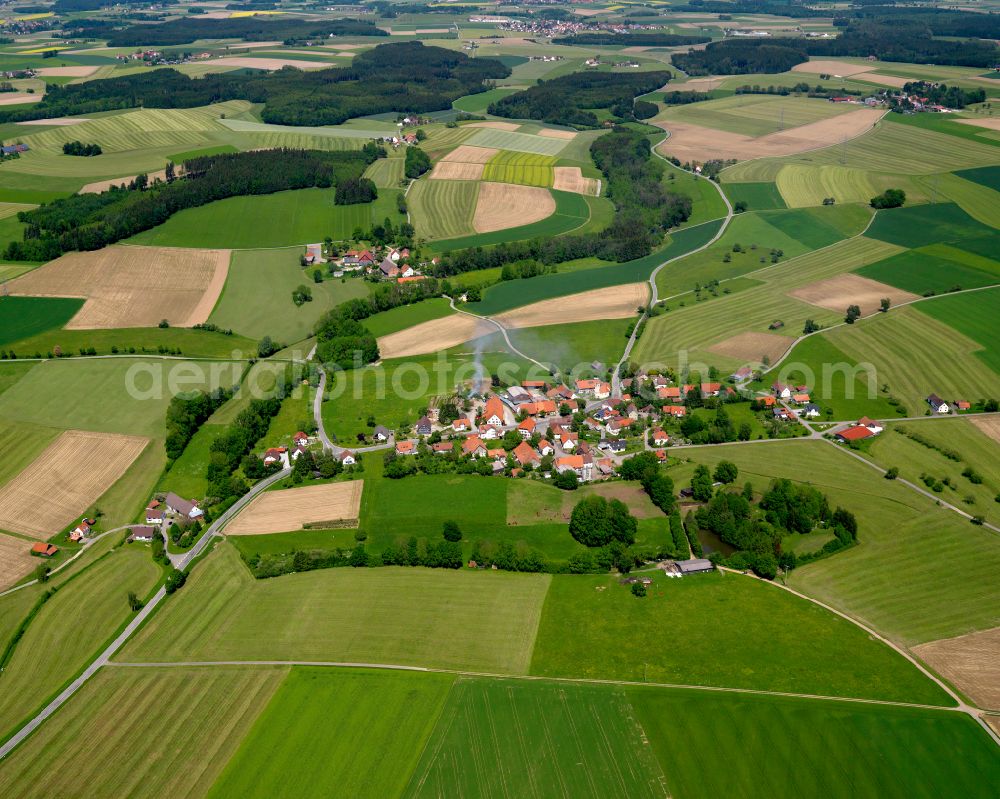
565	100
92	221
743	57
250	29
902	40
404	77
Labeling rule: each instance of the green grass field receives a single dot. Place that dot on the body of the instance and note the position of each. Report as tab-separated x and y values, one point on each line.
386	172
838	382
988	176
21	317
302	216
526	169
980	202
573	344
415	617
191	342
976	449
187	475
885	580
934	268
888	342
407	316
920	225
757	196
443	209
477	103
512	140
973	315
96	395
891	148
257	298
706	200
808	649
501	738
70	628
754	114
358	733
711	745
165	732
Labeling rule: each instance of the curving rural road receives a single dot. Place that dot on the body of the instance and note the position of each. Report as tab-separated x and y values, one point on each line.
103	658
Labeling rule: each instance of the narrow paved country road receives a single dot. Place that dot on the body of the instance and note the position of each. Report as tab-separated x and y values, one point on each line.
102	659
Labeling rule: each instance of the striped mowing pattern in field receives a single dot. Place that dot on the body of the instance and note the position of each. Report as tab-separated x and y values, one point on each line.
521	142
890	341
526	169
268	140
386	172
890	147
163	732
443	209
336	132
146	127
698	326
802	185
978	201
10	209
756	114
501	739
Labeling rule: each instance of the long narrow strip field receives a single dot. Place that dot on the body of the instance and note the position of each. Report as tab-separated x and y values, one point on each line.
68	630
64	481
392	615
526	169
348	732
521	142
149	732
443	209
500	738
755	114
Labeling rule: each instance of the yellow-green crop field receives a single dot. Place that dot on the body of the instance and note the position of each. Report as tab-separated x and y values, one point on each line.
527	169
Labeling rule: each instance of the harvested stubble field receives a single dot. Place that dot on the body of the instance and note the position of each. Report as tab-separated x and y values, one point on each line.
971	662
837	293
570	178
553	133
292	508
495	125
990	123
467	154
433	336
990	425
273	63
456	170
695	142
132	286
15	560
754	347
613	302
506	205
66	479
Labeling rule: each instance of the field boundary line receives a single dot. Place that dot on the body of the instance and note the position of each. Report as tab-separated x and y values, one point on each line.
532	677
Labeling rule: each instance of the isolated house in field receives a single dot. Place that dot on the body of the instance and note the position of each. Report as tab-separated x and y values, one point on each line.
855	433
937	404
493	414
871	424
144	533
380	433
182	507
43	550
